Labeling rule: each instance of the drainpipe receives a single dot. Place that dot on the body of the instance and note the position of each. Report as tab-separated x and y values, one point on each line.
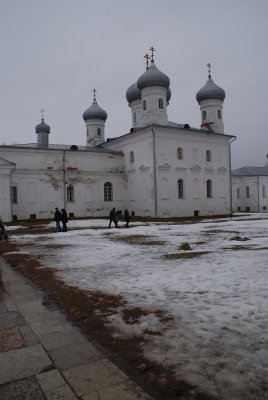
64	176
155	178
10	198
231	188
258	193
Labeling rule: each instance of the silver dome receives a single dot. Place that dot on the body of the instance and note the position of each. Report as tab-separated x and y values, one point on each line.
210	91
133	93
95	112
42	127
153	77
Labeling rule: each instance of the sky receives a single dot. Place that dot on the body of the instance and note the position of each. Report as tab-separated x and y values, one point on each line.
54	52
217	336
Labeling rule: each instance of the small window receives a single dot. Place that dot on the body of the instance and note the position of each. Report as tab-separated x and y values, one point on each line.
134	118
180	189
99	132
161	104
204	115
70	193
144	105
263	191
179	153
131	157
247	192
108	191
238	193
209	189
208	155
14	194
219	114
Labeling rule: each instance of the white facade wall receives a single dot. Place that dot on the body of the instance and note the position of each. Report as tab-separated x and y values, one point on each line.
250	193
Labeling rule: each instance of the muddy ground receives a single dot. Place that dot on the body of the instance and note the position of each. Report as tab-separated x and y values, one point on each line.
88	311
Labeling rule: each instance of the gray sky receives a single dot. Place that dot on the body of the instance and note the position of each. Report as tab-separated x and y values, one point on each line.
54	52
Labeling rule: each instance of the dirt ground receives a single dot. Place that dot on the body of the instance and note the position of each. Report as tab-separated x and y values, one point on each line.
88	310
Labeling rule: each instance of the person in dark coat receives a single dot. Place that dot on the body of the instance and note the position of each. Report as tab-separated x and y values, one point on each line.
64	220
127	217
113	218
57	219
2	230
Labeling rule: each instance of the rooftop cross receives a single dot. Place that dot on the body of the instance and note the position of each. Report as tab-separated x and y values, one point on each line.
94	94
42	113
209	70
147	60
152	50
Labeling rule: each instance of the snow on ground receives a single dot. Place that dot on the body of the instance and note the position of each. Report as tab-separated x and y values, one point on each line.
218	339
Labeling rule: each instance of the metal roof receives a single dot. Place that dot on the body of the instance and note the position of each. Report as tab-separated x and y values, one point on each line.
251	171
74	148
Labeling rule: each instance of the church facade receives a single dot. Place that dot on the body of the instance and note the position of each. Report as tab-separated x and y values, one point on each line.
159	169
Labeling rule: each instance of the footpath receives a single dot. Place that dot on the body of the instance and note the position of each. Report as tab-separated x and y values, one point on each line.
44	357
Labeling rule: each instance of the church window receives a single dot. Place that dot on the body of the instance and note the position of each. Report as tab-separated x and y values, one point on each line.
70	193
108	191
204	115
247	192
219	114
208	155
99	132
134	118
180	189
263	191
144	105
238	193
131	157
209	188
161	104
14	194
179	153
87	132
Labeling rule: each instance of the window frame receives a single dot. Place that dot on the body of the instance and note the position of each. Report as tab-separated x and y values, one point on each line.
161	103
70	193
180	186
144	105
179	153
209	188
108	191
14	194
208	155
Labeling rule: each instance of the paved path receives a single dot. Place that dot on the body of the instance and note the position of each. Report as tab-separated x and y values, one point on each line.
42	356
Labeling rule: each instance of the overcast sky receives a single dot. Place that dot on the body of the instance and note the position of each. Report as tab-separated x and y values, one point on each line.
54	52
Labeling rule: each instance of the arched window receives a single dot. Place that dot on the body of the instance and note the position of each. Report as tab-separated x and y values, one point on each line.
247	192
238	193
161	104
108	191
134	118
179	153
180	189
204	115
219	114
208	155
99	132
131	157
209	188
144	105
70	193
263	191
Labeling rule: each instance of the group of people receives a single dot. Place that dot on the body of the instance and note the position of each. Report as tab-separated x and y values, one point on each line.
114	217
3	232
61	217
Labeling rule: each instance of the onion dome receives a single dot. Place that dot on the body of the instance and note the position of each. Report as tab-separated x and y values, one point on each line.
133	93
42	127
153	77
168	95
95	112
210	91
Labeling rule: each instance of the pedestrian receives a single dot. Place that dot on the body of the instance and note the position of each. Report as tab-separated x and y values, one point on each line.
113	218
57	219
2	230
64	220
127	217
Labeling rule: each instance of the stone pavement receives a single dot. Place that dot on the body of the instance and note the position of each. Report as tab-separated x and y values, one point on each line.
43	357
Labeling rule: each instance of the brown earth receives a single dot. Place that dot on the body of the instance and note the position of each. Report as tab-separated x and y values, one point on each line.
88	311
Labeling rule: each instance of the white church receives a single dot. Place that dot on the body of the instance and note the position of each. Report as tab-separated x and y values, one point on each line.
158	169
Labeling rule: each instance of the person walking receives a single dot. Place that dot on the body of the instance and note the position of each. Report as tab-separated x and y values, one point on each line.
113	218
64	220
57	219
127	217
2	230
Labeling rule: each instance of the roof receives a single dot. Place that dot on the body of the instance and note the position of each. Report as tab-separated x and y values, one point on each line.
251	171
74	148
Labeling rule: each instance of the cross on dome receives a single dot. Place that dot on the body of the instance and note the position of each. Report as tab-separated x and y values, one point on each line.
209	70
94	95
152	49
42	113
147	60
